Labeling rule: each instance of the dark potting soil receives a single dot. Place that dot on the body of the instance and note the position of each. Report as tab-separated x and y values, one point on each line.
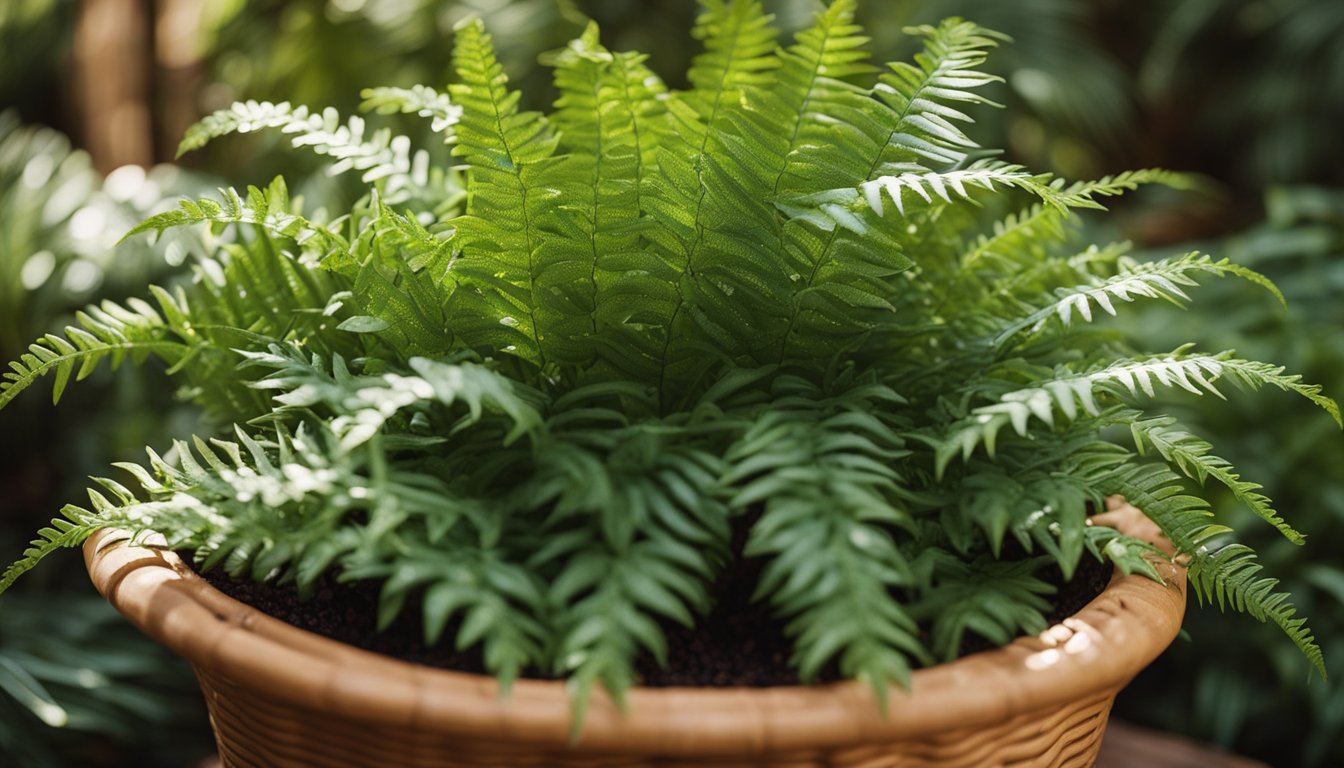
738	644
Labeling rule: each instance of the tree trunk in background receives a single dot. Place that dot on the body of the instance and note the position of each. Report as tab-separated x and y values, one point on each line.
180	75
112	82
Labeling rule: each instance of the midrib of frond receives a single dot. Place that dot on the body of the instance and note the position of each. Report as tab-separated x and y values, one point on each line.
599	114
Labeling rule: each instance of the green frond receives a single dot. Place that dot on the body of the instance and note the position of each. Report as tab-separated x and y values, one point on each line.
66	532
739	42
1230	574
269	209
1161	494
108	331
505	150
607	113
1127	553
418	99
846	208
380	155
1161	279
1128	181
997	600
1194	458
922	95
829	495
634	534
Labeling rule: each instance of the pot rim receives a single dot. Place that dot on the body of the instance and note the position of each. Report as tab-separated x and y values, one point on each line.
1092	653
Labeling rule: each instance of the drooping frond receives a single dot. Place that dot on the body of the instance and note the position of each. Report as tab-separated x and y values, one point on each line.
1194	458
634	533
107	331
72	530
1231	575
1161	279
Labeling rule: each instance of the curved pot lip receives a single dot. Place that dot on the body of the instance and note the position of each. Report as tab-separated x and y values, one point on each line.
1091	654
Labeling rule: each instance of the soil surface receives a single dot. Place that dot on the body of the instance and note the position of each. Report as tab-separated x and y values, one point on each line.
738	644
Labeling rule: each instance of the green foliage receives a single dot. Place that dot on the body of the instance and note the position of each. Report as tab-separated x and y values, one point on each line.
664	317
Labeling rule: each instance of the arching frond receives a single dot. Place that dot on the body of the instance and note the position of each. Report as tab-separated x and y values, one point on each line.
108	331
418	99
1161	279
379	155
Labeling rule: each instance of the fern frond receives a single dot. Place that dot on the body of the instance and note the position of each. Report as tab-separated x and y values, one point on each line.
997	600
1127	553
379	155
269	209
828	491
634	533
1230	574
1196	374
504	148
1161	279
66	532
1194	458
608	107
418	99
107	331
922	94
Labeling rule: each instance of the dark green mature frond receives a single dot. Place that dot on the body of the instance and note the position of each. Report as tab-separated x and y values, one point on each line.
63	533
634	531
995	599
1230	574
821	468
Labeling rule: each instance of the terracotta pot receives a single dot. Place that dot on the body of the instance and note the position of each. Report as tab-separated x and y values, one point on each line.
280	696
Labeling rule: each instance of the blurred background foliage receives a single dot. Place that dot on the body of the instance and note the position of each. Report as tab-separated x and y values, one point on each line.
1248	93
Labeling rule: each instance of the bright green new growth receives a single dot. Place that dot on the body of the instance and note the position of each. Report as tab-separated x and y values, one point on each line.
768	303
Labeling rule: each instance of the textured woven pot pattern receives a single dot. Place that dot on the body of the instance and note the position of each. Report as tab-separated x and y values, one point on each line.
280	697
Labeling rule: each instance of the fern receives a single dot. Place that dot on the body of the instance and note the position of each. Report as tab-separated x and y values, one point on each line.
418	99
108	331
922	95
1193	457
1155	280
656	331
